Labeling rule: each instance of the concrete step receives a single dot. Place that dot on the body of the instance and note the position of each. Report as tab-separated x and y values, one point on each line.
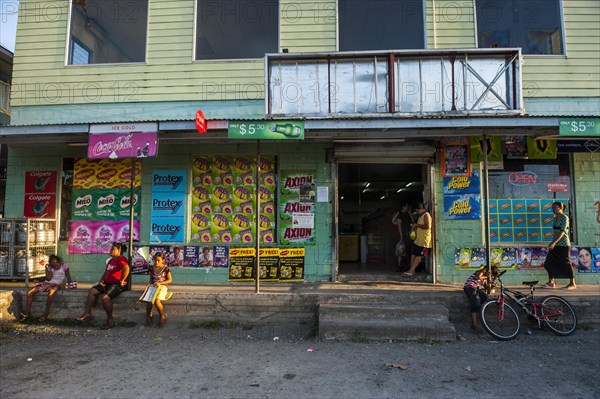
382	322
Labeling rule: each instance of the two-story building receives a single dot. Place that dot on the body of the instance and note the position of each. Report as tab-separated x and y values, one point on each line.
487	111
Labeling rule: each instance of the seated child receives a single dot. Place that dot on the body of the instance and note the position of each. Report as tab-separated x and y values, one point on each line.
475	291
160	276
56	271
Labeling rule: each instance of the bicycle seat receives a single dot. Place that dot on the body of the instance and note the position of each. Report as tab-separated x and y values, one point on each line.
529	282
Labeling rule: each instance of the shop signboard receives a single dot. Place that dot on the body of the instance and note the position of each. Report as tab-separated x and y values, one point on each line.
579	127
266	130
115	141
569	146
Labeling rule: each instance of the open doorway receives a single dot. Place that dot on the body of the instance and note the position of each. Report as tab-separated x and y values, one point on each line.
369	195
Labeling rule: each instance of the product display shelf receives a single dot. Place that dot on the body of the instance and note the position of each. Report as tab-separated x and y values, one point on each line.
25	246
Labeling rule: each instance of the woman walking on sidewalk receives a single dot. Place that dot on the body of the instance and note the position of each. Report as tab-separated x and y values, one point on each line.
558	262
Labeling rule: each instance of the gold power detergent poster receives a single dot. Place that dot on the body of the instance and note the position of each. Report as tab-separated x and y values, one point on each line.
224	200
100	210
462	197
167	217
291	203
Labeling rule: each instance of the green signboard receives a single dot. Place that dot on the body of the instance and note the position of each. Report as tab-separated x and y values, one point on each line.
579	127
266	130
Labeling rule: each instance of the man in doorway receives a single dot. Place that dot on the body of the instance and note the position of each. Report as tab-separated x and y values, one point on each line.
422	243
403	221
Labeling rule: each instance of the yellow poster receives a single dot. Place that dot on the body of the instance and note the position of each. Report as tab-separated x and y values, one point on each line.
105	173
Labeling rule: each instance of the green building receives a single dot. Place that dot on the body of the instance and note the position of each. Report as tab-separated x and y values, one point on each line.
359	106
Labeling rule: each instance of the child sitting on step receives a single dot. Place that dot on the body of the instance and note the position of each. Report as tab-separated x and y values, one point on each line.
56	271
475	290
160	276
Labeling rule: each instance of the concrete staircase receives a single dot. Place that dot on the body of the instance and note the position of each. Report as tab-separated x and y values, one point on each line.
370	321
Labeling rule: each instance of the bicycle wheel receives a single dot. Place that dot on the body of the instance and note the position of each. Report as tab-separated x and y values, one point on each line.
502	324
558	315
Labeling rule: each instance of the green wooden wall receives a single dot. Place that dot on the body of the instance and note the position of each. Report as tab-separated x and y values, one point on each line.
291	155
451	234
170	74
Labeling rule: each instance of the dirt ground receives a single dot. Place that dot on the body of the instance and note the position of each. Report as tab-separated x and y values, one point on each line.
282	361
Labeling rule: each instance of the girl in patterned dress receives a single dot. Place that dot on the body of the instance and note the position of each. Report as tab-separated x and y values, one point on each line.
160	275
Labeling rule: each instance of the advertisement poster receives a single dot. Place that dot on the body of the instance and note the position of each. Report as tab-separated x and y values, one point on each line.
521	220
461	185
462	207
586	259
139	263
541	149
290	234
221	256
105	173
96	237
494	149
167	213
269	264
224	200
455	157
508	257
122	145
293	181
241	264
40	194
516	147
190	256
101	200
291	264
104	204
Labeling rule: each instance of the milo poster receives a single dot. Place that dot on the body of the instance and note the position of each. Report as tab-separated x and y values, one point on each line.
224	200
291	203
101	203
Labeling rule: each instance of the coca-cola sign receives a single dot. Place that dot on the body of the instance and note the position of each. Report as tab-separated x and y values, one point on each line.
123	141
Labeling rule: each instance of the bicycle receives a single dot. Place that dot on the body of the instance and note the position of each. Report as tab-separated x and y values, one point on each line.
502	322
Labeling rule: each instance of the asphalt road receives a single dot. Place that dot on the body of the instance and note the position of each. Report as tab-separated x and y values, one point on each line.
58	361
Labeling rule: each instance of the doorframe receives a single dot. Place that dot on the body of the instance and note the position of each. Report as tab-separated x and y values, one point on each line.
429	180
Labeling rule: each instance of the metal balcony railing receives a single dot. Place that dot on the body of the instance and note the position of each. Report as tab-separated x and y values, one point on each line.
5	98
404	83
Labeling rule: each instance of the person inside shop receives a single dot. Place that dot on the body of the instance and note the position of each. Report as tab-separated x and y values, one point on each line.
56	271
558	262
475	289
112	283
160	277
422	243
403	220
206	258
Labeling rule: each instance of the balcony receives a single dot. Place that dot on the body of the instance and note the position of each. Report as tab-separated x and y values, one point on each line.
395	84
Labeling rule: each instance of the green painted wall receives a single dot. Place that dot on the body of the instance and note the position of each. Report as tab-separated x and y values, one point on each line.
291	155
451	234
170	74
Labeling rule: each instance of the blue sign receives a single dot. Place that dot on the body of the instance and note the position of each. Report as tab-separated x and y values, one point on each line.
167	215
463	184
166	230
462	207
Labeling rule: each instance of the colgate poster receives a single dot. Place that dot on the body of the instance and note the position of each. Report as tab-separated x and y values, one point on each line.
122	145
40	194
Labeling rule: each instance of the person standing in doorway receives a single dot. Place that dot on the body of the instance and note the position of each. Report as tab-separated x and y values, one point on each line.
422	244
558	262
403	220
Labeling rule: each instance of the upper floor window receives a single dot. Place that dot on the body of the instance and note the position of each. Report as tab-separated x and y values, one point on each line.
381	24
228	29
108	31
533	25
